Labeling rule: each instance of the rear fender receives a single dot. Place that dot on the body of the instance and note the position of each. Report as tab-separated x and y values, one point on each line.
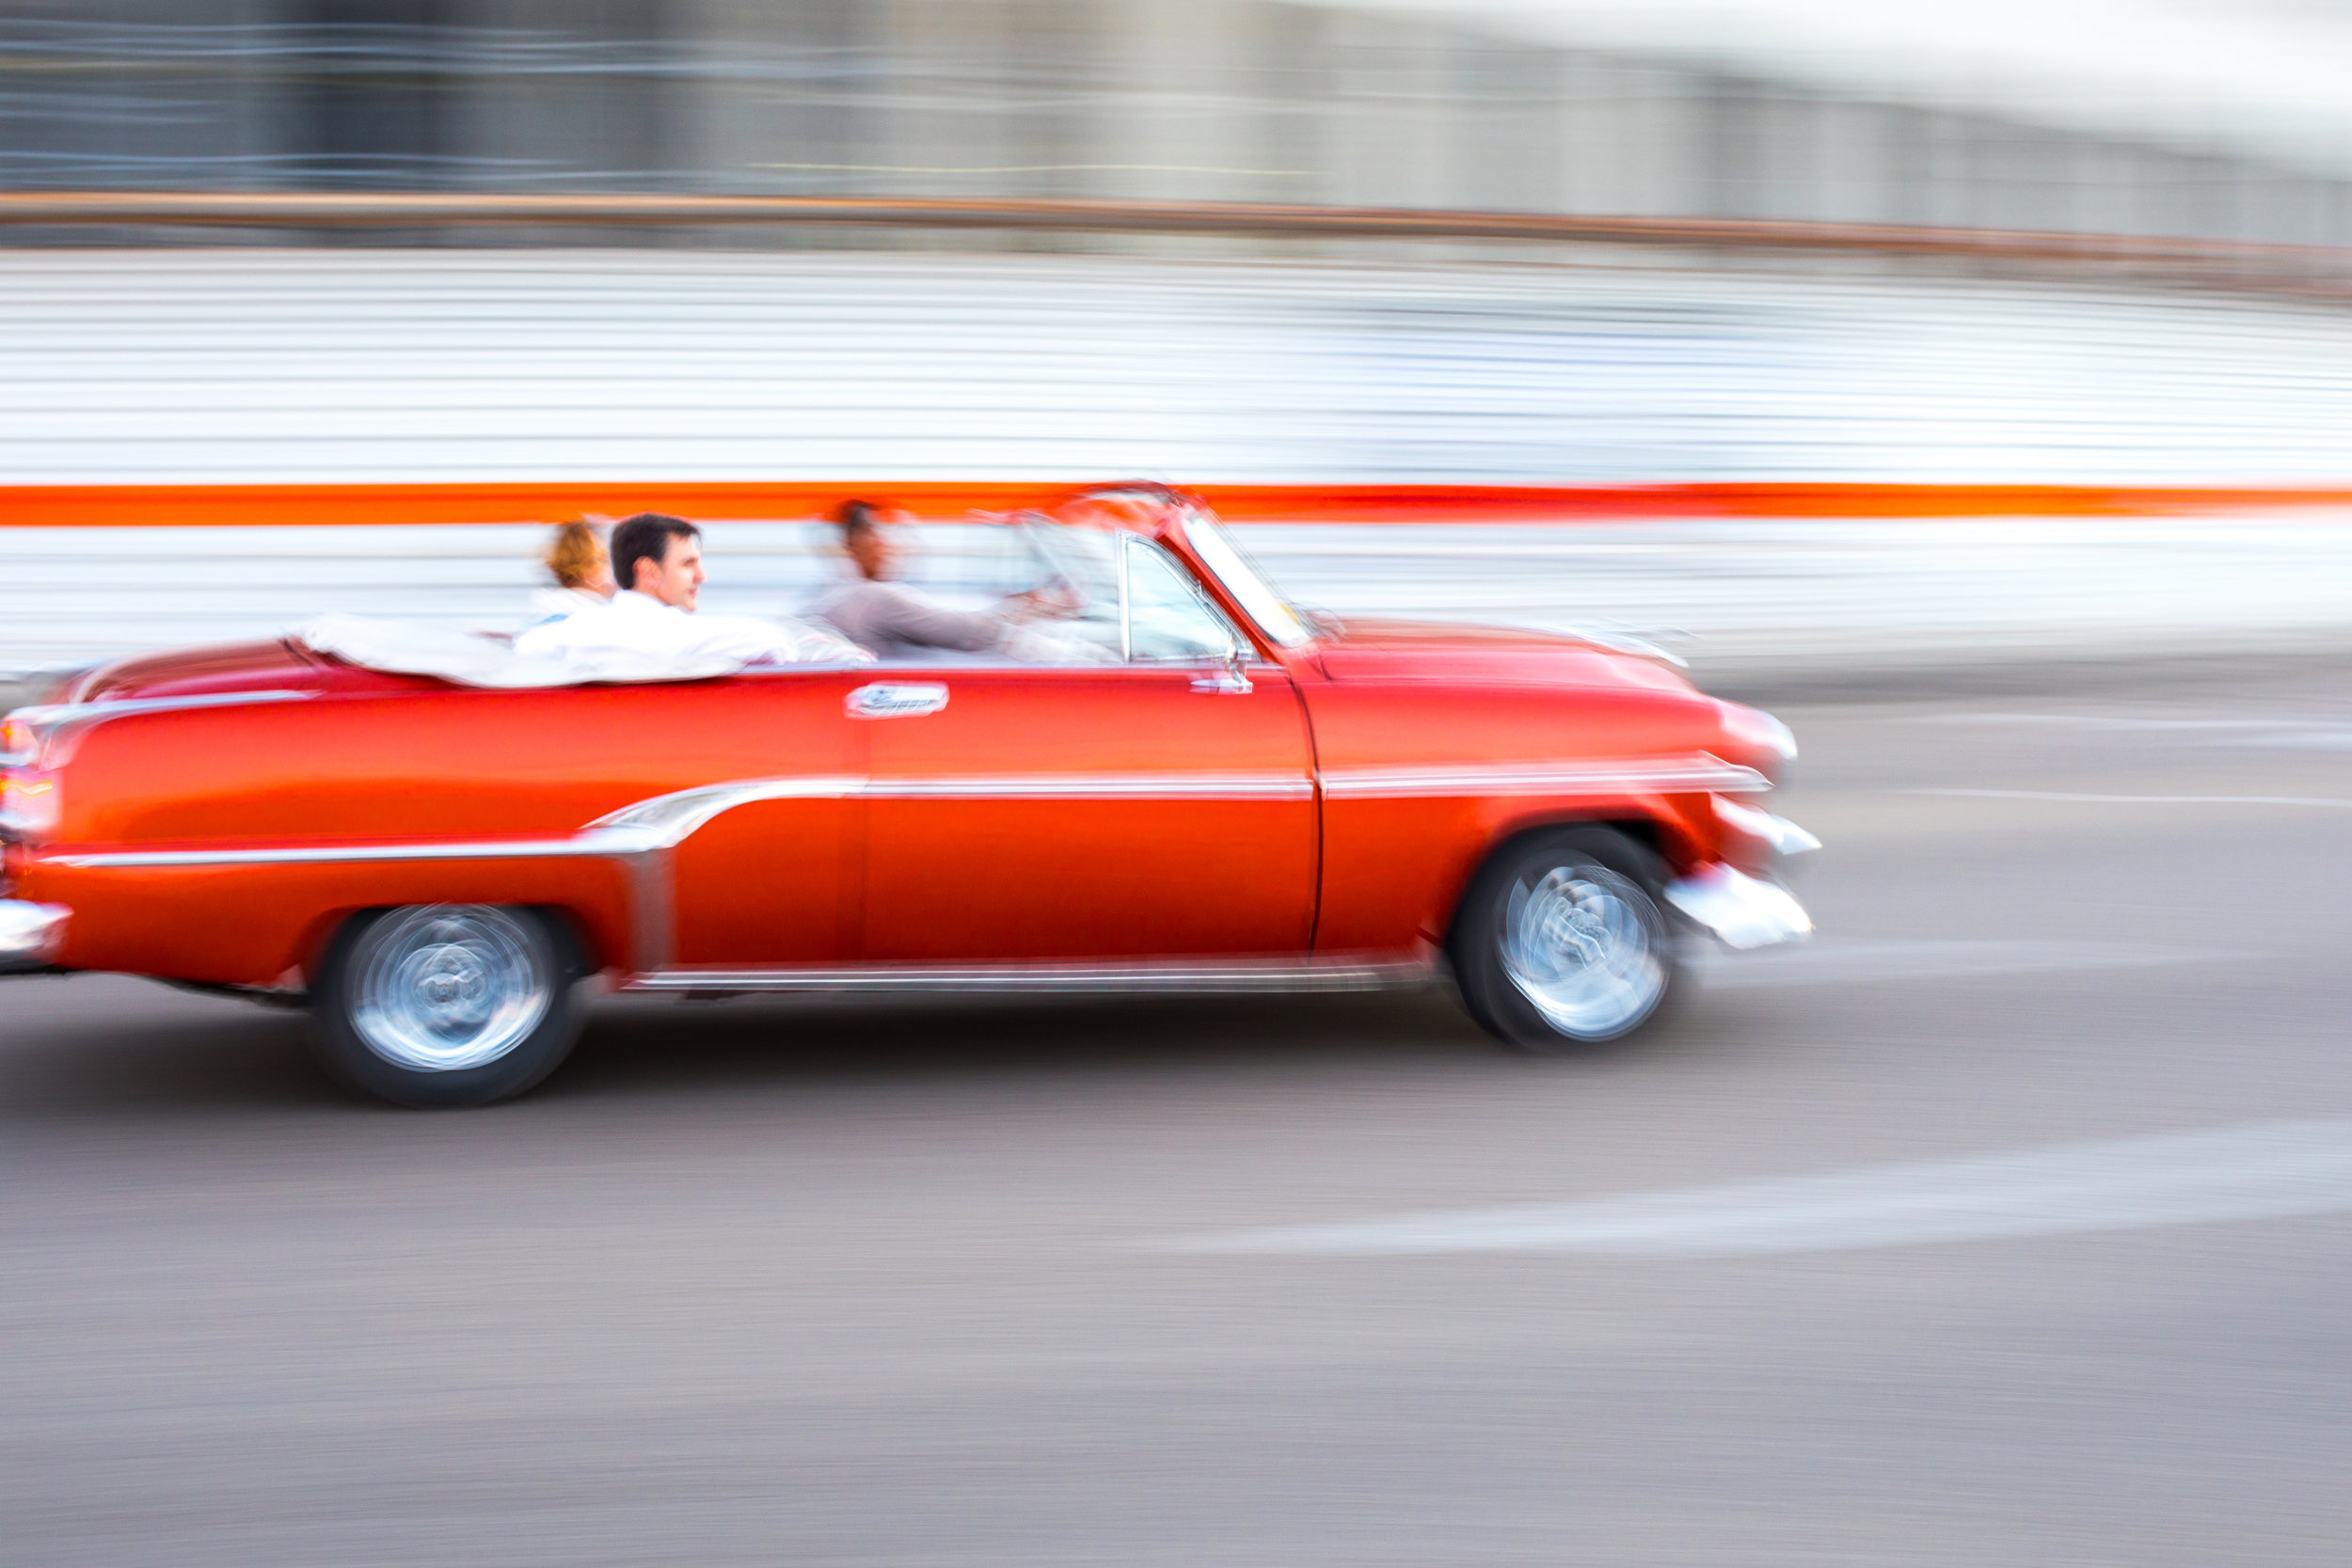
270	926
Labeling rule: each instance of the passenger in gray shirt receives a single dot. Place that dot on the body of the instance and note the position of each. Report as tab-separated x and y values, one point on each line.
888	619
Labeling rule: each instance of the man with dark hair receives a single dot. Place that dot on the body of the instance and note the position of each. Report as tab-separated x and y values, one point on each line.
659	555
886	617
658	562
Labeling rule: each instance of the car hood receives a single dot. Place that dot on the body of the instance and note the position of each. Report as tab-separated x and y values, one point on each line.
1368	648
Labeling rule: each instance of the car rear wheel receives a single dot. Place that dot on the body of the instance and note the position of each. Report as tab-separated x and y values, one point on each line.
447	1004
1562	940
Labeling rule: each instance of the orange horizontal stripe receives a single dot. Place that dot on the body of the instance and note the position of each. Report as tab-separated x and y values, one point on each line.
309	505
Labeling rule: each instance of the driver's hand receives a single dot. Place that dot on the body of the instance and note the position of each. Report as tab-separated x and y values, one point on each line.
1049	602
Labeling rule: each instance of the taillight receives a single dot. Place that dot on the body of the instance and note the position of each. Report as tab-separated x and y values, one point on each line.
20	743
28	805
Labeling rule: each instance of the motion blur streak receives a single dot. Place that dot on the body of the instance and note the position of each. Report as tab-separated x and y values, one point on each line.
1747	599
632	370
252	366
1859	960
2269	1171
2317	802
2184	118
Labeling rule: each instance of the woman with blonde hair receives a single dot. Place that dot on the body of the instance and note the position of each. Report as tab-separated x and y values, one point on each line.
575	559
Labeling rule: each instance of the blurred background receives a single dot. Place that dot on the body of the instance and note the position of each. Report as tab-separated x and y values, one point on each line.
1973	382
1823	268
2146	117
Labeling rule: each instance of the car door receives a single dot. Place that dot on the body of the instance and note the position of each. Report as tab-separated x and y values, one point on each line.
764	869
1162	807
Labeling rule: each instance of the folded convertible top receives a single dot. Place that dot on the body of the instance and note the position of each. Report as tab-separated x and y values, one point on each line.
471	658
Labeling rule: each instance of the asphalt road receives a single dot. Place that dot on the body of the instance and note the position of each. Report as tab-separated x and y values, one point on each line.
1091	1283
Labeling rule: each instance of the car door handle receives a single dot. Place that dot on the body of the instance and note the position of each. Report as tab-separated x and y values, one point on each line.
896	699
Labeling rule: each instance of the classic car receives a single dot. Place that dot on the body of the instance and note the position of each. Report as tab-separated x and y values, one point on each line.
1214	791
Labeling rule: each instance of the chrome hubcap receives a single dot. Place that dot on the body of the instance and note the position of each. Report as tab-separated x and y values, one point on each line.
1581	944
444	988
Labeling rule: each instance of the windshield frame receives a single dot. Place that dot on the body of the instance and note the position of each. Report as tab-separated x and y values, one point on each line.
1050	542
1266	605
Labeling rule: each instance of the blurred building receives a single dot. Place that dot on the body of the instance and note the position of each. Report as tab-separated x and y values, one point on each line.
1565	107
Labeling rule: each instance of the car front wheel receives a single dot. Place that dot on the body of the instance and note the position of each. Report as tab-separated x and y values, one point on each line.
1562	942
447	1004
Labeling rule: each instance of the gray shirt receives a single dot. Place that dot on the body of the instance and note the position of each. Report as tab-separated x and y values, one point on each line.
888	618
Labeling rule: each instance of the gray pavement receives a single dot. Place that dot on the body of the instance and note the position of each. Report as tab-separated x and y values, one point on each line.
763	1282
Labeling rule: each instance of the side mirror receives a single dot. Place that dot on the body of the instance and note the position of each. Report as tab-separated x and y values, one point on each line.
1232	680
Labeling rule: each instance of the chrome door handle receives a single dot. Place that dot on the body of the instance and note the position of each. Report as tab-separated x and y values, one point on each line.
1228	681
896	699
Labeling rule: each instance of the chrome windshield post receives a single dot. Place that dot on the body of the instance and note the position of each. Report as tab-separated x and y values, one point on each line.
1126	617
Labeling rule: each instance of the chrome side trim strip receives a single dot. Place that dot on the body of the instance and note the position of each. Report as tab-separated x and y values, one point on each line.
668	820
1699	771
342	854
671	819
1098	786
1132	977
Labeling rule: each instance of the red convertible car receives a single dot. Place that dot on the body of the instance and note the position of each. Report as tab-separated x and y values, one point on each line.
1218	792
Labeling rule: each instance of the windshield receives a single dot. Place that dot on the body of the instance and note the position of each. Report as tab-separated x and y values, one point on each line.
1257	598
1123	596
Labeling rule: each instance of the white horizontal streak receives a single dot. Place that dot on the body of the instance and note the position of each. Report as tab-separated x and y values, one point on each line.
1854	962
2266	1170
364	366
2323	803
1810	593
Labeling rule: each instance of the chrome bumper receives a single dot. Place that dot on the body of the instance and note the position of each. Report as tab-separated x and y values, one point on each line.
1779	837
1742	910
30	934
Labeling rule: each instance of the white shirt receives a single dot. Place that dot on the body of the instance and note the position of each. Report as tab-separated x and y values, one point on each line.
553	604
634	623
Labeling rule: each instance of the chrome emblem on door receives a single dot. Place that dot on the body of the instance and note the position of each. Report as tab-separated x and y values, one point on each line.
897	700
